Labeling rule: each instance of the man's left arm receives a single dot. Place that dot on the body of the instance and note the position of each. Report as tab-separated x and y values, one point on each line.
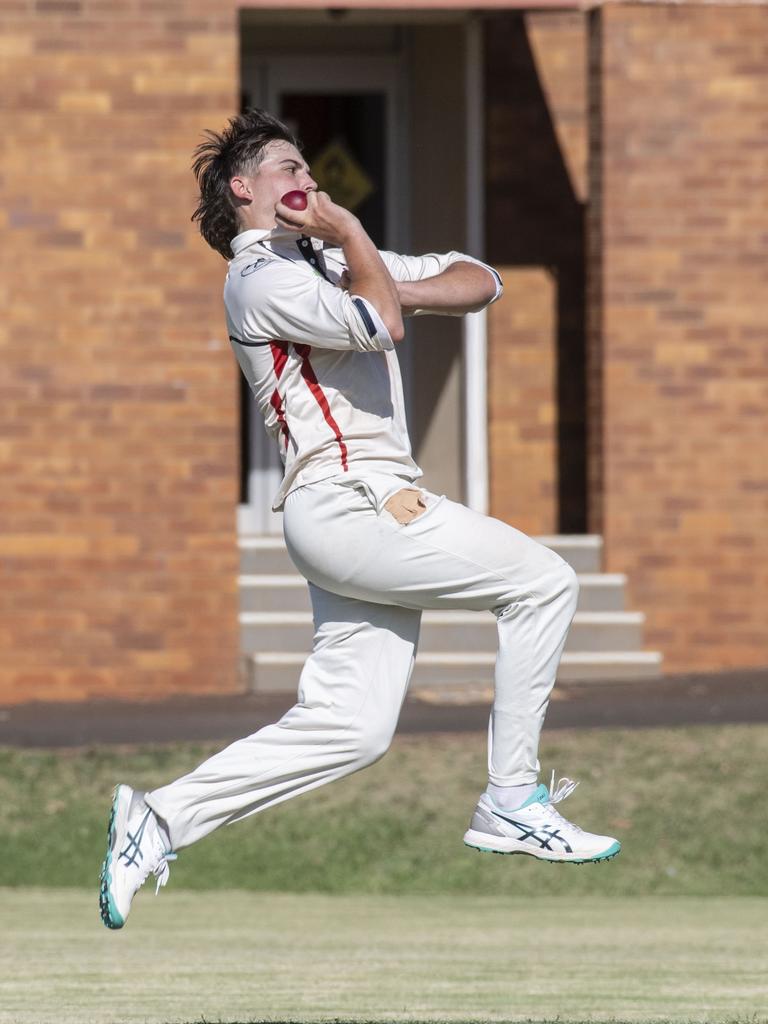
451	284
461	288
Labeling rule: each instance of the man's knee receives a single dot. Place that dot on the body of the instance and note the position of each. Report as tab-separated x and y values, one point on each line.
568	585
556	582
372	741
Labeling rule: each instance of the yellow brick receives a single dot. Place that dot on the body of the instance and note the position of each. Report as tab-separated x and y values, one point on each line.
90	102
35	544
12	45
734	87
181	84
148	660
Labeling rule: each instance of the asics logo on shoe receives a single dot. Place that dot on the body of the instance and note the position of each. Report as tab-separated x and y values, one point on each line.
543	835
132	853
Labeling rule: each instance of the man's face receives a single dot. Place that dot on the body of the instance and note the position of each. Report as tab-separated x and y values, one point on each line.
282	169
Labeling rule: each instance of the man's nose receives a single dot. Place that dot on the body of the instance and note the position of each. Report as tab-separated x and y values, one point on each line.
309	184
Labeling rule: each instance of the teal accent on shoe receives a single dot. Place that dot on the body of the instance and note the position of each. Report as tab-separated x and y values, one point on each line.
480	849
541	796
612	850
109	912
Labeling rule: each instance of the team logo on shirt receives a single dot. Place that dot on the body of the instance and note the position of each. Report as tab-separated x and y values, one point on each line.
253	267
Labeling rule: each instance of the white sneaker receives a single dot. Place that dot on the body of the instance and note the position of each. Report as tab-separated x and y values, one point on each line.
135	849
537	829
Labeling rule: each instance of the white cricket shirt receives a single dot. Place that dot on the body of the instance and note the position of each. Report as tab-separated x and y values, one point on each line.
320	362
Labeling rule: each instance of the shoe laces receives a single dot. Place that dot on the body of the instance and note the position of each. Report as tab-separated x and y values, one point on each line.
162	871
560	792
564	789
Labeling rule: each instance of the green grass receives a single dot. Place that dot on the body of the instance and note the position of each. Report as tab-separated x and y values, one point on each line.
240	957
675	797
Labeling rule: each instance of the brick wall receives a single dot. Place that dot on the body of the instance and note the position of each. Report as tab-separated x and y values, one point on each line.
558	42
536	186
521	401
679	249
118	419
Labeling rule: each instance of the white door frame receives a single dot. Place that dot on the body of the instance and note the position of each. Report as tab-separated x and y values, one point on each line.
266	79
475	335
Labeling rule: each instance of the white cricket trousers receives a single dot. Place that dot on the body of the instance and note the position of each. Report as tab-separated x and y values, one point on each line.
369	579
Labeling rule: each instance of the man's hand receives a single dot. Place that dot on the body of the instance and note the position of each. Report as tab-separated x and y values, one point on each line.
322	219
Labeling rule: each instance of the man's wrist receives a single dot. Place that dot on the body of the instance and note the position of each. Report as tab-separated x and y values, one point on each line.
351	231
405	293
402	292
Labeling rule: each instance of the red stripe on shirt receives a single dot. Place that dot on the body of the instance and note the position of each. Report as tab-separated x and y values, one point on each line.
277	404
309	376
279	358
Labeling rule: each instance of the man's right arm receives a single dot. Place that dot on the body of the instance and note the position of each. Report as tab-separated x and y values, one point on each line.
368	276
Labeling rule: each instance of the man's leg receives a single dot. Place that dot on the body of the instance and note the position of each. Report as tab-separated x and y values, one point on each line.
351	690
350	694
448	556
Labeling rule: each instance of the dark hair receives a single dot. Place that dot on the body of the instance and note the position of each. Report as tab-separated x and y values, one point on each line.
236	150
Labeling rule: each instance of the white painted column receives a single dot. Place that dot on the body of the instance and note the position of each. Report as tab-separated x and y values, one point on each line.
475	333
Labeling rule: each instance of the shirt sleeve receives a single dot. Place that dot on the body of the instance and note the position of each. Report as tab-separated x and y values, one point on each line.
288	301
417	268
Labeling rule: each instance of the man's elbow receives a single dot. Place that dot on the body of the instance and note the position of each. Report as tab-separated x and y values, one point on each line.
484	301
485	297
490	288
484	287
396	331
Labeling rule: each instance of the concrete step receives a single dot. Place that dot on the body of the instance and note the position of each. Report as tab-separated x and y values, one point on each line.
583	552
599	592
269	671
457	649
260	554
446	631
264	555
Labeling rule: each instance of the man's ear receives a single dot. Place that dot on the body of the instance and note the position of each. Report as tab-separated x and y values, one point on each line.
241	189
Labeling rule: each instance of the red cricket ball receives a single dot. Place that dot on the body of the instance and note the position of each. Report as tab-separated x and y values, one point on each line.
296	200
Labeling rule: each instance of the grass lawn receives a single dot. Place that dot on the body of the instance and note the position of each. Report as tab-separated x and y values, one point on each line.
242	957
686	804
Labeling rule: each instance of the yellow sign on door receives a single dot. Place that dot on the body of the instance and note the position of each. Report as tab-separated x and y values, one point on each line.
338	173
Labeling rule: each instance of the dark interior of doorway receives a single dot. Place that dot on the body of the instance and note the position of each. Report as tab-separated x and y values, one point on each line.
356	122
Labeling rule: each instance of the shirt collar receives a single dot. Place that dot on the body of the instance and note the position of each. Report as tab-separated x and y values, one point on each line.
250	237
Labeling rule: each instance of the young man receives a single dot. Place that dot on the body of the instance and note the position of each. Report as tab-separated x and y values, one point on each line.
314	312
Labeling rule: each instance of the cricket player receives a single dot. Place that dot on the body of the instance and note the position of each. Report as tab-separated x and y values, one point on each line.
314	312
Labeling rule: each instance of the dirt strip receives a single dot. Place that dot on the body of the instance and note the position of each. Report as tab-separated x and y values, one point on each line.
737	696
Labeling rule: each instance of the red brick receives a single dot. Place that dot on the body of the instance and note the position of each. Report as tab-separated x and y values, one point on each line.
113	299
693	244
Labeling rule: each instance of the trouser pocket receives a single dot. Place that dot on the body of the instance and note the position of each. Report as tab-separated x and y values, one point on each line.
406	505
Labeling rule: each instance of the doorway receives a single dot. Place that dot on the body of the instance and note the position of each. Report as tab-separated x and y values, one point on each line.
379	109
